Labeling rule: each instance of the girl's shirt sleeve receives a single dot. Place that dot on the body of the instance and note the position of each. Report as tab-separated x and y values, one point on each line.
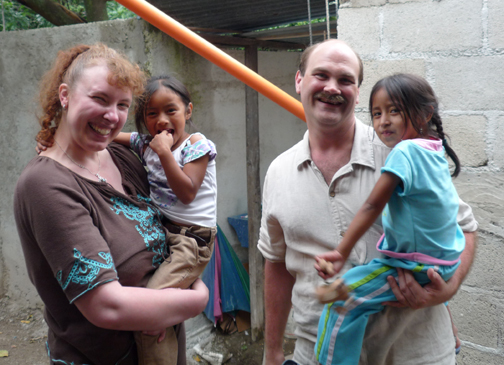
192	152
137	143
399	164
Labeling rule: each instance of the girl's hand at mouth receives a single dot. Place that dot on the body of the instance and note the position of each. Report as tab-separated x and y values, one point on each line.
162	142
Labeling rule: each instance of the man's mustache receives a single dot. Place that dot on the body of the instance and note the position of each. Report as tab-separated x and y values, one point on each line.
330	98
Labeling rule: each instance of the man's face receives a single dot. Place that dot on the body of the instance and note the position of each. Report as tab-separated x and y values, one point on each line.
329	88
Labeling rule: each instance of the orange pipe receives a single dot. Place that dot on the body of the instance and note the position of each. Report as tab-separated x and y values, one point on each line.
213	54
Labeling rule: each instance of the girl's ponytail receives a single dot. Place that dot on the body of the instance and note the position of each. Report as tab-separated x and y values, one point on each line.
436	120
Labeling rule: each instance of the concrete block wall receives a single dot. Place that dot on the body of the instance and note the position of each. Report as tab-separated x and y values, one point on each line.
458	46
219	113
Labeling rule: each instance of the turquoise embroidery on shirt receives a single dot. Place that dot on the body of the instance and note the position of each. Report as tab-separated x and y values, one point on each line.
149	225
85	270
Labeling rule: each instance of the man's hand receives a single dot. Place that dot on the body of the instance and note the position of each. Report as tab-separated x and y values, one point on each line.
411	294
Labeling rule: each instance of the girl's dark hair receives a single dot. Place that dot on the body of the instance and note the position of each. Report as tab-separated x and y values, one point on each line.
414	97
153	85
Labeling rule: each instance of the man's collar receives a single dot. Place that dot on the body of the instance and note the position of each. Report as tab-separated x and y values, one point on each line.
303	153
362	148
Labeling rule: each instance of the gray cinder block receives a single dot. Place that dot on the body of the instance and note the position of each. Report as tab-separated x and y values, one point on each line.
470	83
467	136
432	26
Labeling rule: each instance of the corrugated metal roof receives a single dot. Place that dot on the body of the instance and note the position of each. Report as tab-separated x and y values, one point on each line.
245	16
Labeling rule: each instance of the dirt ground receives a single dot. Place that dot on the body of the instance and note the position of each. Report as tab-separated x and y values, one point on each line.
23	335
241	348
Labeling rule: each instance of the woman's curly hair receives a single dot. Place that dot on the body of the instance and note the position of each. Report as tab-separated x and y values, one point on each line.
68	67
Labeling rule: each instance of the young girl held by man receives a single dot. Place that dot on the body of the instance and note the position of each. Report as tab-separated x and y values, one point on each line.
418	203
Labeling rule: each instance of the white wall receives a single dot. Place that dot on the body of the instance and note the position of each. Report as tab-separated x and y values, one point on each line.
458	46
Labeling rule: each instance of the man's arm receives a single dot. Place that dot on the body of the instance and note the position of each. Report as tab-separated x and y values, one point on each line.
410	294
278	284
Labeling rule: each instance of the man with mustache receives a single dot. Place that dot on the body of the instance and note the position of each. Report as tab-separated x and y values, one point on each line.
311	193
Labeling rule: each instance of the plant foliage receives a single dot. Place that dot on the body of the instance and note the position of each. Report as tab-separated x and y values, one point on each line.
20	17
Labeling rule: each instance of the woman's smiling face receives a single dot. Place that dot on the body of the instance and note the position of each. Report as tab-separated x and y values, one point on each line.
96	110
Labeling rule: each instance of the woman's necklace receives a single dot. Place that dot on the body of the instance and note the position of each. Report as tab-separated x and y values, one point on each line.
98	176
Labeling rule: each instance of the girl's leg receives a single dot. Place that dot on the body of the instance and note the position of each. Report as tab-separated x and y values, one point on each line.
175	271
180	270
150	352
190	252
340	335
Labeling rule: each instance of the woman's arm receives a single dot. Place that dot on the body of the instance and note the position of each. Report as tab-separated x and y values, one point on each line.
364	218
57	226
117	307
185	182
123	138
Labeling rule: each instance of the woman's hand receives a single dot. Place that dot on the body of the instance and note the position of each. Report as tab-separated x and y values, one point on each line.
200	287
161	334
411	294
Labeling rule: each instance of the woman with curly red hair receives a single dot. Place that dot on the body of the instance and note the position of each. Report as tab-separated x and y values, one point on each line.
90	234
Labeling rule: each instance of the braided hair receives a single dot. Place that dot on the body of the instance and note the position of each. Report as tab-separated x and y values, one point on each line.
415	98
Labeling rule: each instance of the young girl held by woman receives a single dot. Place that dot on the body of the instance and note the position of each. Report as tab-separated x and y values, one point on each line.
182	178
419	220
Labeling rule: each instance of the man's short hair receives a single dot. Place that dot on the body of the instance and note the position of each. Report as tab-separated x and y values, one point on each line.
308	51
